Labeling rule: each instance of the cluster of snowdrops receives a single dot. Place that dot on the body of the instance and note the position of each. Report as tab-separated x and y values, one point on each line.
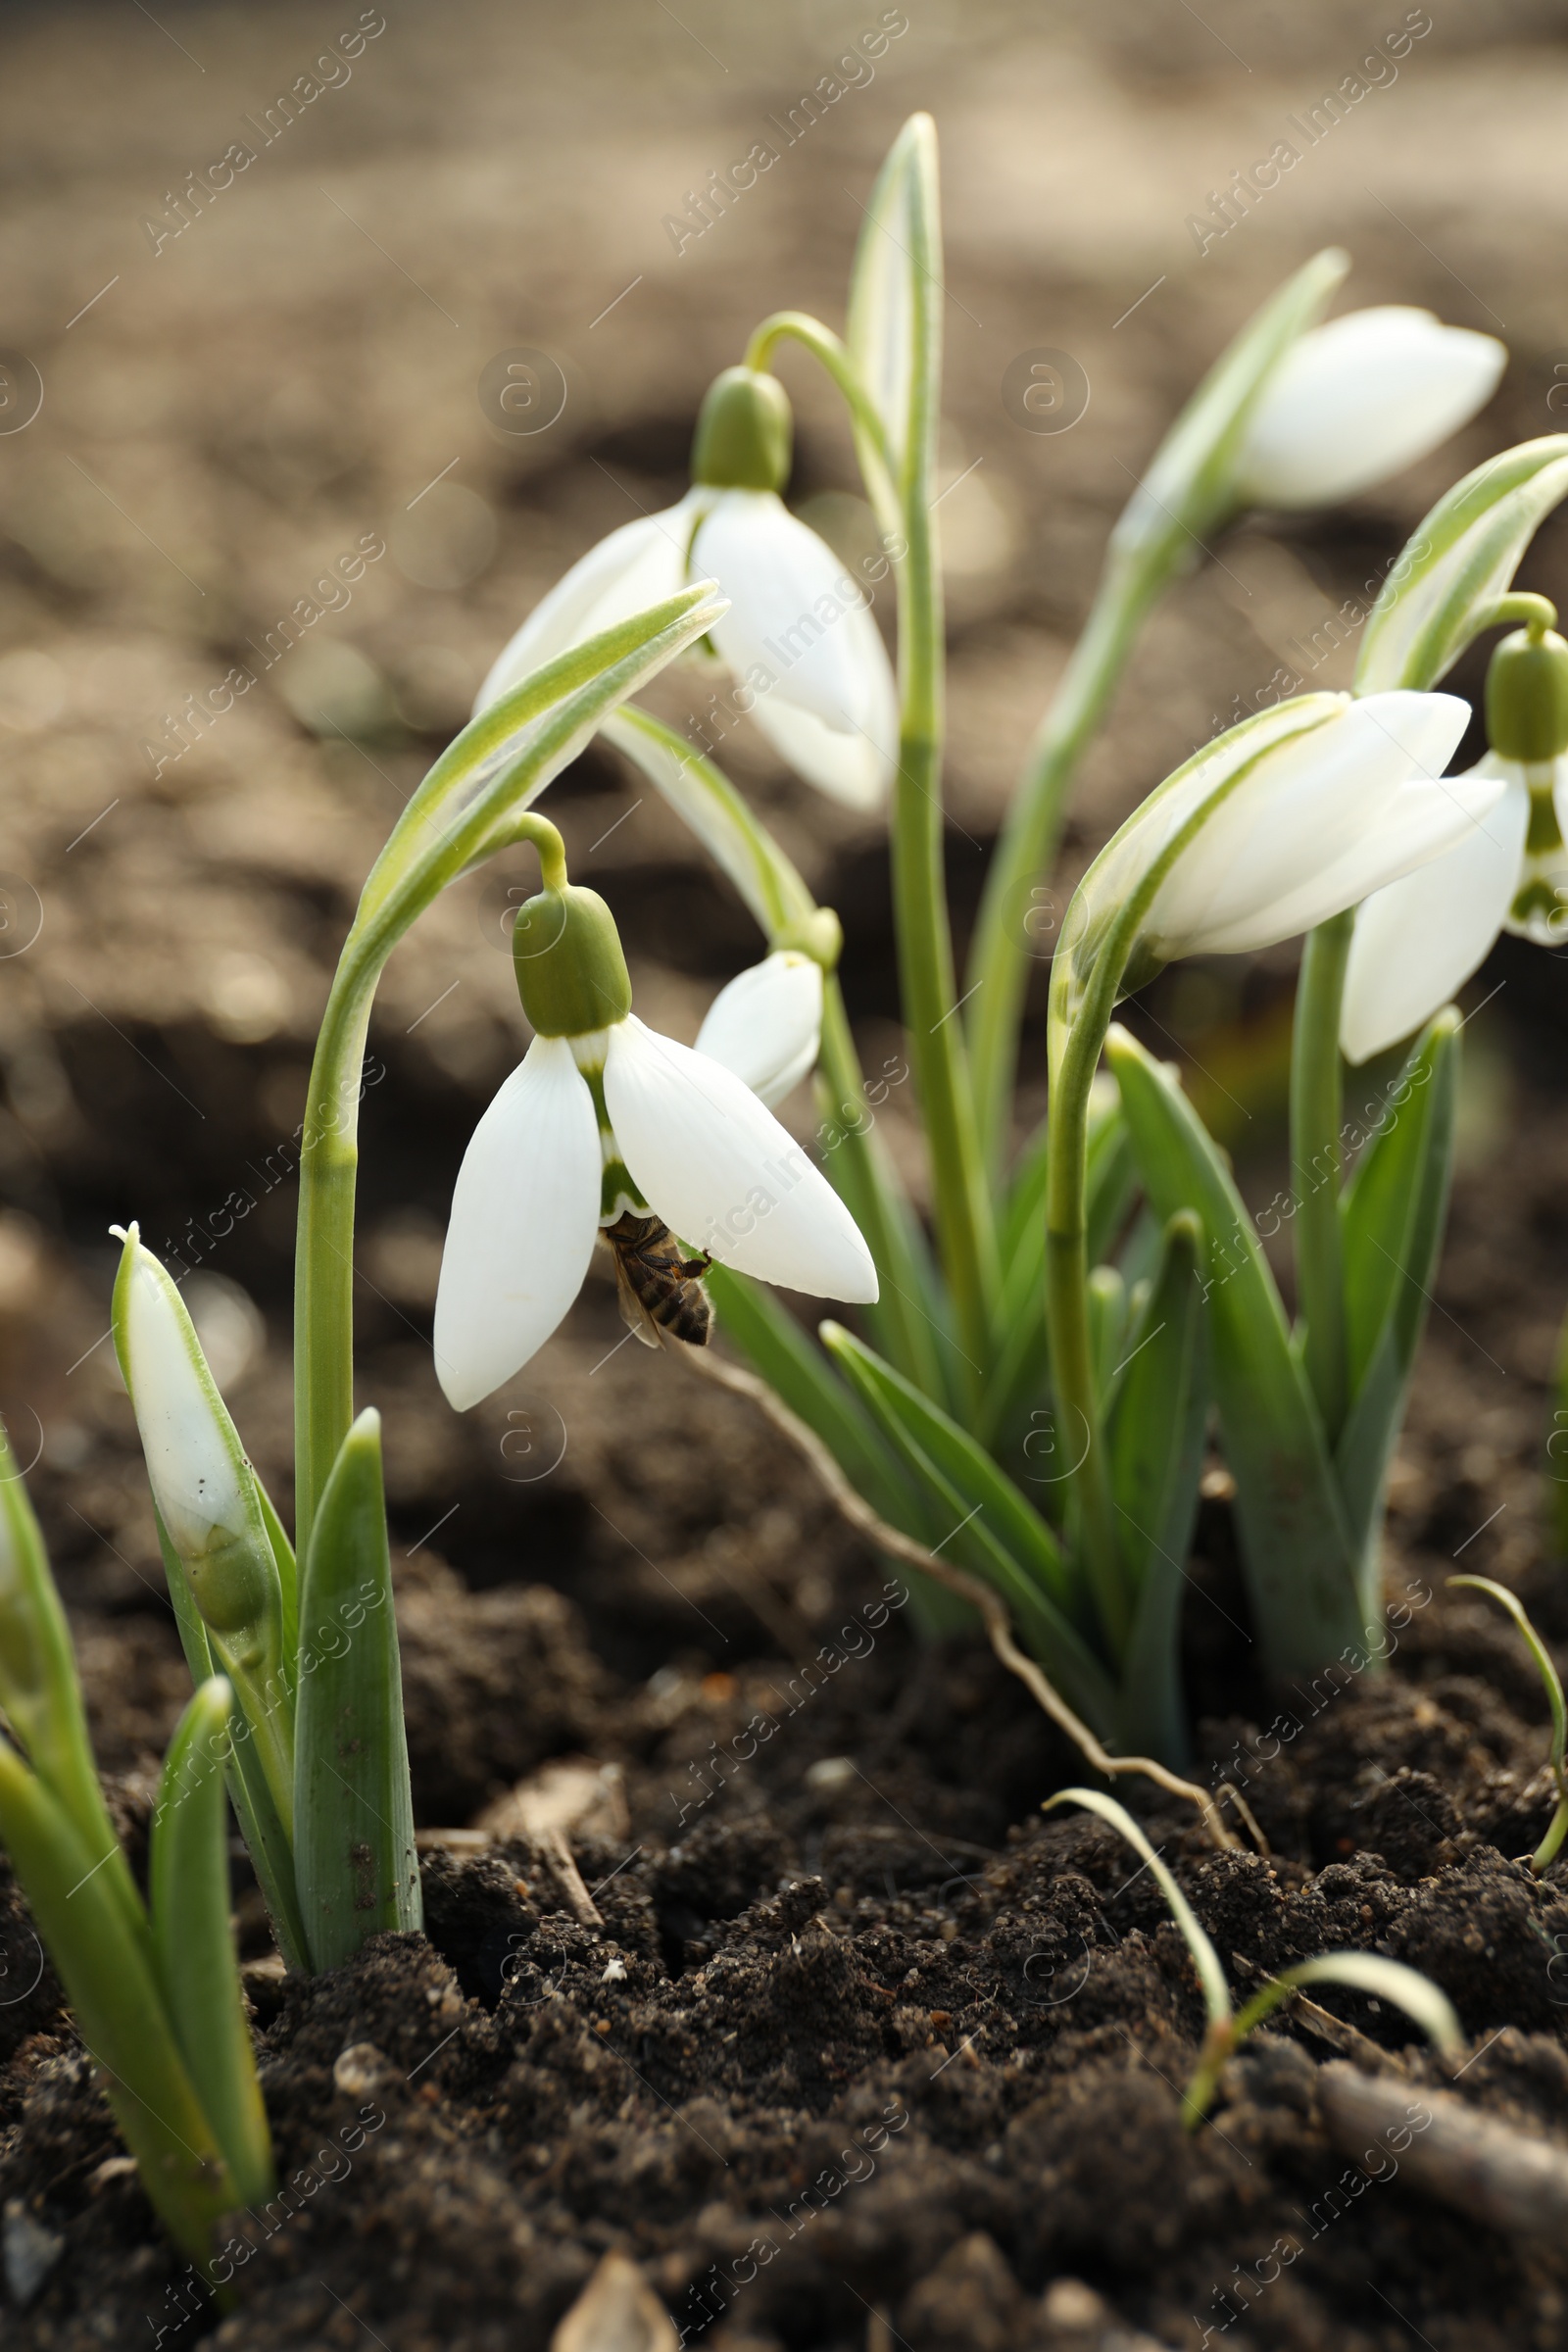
1024	1404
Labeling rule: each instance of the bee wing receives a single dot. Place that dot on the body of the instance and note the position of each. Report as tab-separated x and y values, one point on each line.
633	1313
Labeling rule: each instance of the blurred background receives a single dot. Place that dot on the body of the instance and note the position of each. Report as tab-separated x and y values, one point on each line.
274	277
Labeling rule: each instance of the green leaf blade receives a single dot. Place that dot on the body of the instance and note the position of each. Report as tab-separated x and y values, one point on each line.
991	1528
1299	1561
1206	1960
192	1943
1392	1221
354	1854
1156	1437
1461	558
105	1963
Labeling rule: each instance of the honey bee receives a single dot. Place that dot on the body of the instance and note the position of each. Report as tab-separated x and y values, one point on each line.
661	1291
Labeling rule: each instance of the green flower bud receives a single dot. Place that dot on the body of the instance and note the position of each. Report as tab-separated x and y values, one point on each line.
745	434
1527	696
571	973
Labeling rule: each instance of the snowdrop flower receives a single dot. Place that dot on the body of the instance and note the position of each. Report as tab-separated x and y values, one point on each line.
798	636
1316	824
604	1117
198	1473
766	1024
1360	399
1418	941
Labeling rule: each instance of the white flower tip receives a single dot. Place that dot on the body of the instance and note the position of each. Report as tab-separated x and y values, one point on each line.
1360	399
767	1023
463	1386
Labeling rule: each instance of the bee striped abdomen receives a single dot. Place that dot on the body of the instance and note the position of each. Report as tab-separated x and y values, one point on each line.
658	1284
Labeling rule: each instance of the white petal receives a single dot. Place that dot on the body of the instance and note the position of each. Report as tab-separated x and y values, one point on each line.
193	1461
524	1215
638	565
799	616
1359	399
723	1174
1422	821
1421	939
855	768
766	1024
1307	809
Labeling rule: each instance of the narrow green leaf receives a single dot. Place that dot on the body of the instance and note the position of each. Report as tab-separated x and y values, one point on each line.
1369	1972
992	1528
504	759
1394	1216
104	1959
1552	1683
267	1841
1108	1326
1300	1567
1210	1974
1459	559
1385	1214
194	1946
287	1568
354	1857
39	1690
1155	1438
884	307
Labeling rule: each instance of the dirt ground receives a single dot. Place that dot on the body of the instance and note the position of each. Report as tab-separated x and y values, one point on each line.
868	1920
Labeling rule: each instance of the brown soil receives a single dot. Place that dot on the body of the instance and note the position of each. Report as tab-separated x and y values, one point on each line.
857	2015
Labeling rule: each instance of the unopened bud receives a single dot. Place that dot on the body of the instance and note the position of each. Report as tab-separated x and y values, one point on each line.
745	434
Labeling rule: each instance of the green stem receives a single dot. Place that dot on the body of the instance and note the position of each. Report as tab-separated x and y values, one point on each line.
909	1335
1316	1102
330	1158
798	327
324	1256
1079	1022
961	1201
1002	956
964	1211
1547	1850
1072	1364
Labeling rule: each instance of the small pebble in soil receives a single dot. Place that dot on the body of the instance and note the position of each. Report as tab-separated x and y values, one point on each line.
30	2252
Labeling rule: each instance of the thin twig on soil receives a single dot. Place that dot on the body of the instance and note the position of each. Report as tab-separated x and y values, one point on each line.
980	1597
1486	2168
579	1902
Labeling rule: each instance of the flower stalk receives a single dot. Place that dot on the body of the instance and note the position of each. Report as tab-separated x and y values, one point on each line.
1316	1109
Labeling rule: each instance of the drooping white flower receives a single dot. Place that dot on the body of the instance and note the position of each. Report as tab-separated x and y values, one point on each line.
798	636
1316	824
604	1116
767	1023
1420	938
1359	399
1418	942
